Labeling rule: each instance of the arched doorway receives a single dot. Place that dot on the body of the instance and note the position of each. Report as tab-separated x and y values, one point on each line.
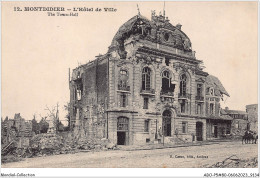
122	131
166	123
199	131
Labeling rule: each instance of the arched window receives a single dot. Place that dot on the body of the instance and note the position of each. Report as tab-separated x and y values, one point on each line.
146	79
167	86
183	84
123	79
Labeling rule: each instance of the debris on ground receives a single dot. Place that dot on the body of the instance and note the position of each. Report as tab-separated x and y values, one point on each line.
54	144
10	158
234	162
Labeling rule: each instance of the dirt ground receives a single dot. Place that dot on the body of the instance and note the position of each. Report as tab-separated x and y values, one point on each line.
181	157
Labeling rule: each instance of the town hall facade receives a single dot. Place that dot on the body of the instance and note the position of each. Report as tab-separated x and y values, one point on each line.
148	88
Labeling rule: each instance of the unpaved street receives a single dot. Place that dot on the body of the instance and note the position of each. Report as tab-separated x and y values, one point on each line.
170	157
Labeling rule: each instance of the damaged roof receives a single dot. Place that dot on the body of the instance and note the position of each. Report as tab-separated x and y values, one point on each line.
222	117
154	24
216	84
127	26
236	112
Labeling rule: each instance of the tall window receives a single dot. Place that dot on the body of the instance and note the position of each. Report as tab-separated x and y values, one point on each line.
184	127
211	108
183	106
146	101
183	83
166	82
123	100
123	79
199	89
199	106
146	125
146	78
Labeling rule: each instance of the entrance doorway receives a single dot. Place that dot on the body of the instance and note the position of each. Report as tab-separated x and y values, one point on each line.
122	131
167	128
121	138
199	131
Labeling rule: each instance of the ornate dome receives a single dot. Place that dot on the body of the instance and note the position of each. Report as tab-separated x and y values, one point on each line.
127	27
158	30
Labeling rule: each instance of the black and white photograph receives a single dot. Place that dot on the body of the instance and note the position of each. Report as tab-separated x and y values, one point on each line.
138	84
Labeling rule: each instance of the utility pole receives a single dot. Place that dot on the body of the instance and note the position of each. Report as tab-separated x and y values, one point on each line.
156	134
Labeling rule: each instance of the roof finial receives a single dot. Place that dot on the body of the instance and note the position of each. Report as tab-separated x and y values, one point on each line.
164	8
138	10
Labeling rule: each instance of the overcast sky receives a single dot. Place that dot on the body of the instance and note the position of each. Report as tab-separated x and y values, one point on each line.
38	50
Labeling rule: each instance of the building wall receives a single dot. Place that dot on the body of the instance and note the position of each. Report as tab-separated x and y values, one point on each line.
252	111
157	102
89	112
104	101
223	128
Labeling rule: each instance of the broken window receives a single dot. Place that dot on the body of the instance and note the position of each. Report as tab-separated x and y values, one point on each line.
140	27
146	125
78	95
78	75
199	89
167	86
123	79
211	108
123	100
183	80
146	79
146	101
184	127
79	92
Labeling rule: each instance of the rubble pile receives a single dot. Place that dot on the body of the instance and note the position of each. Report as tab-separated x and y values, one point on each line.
234	162
96	145
53	144
46	144
248	163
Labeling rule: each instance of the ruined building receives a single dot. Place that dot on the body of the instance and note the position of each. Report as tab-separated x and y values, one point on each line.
252	111
240	120
148	88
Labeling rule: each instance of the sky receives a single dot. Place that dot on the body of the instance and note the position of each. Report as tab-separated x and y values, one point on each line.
38	50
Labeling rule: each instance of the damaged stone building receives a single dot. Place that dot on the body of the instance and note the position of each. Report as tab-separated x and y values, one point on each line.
252	111
17	129
148	88
240	120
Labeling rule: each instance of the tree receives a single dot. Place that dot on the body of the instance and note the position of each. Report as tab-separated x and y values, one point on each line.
53	113
43	125
60	126
35	125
